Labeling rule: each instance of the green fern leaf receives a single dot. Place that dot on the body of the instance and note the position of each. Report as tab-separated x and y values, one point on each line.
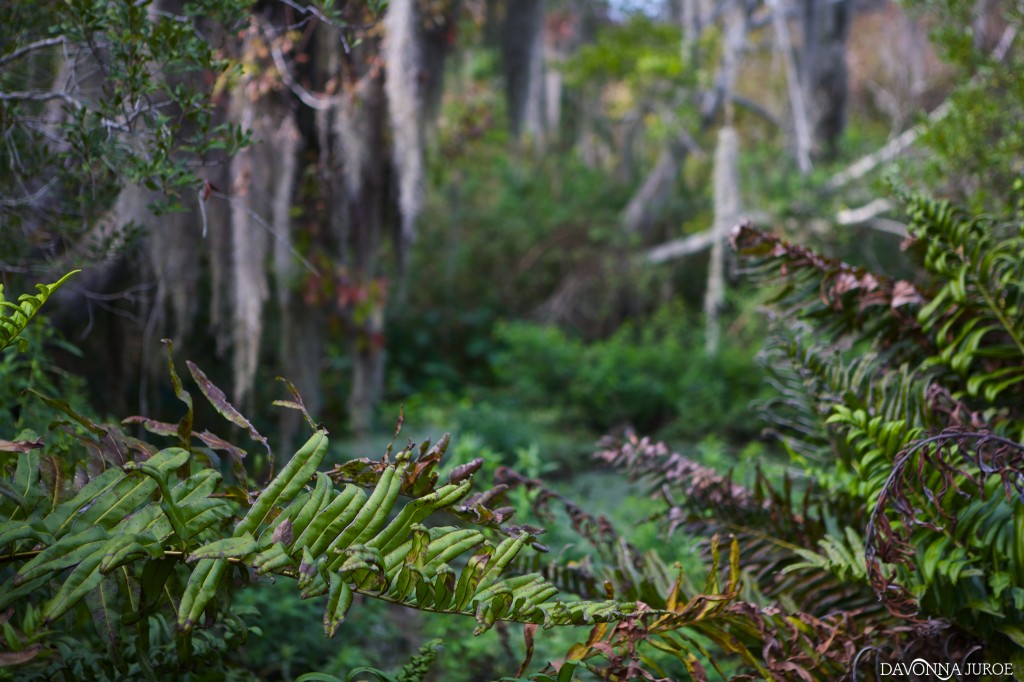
15	317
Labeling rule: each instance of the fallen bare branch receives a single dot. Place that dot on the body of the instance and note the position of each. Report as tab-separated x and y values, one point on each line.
677	248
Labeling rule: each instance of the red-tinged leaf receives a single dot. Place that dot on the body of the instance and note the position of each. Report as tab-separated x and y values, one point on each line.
12	658
20	445
108	444
297	404
153	426
904	293
237	454
420	477
464	471
528	631
185	425
283	533
223	406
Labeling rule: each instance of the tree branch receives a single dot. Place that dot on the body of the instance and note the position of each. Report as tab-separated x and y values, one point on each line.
895	147
25	49
677	248
647	202
890	151
40	96
868	214
310	9
305	96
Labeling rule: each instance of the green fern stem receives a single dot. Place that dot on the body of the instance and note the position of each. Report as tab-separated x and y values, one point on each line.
998	311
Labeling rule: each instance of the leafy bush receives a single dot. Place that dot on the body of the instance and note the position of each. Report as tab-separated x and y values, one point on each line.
647	377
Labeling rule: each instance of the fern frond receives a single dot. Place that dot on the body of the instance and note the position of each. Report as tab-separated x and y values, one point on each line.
926	449
977	314
837	298
14	317
954	538
166	524
773	528
843	556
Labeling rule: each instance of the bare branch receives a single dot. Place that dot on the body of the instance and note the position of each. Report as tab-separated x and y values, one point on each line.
25	49
40	96
895	147
308	98
754	108
890	151
29	199
310	9
795	89
643	208
677	248
856	216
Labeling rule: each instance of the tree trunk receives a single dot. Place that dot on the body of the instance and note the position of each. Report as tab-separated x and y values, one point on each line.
523	63
559	34
797	103
826	24
726	180
727	213
360	131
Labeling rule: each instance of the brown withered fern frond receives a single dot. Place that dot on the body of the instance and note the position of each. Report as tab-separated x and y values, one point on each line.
956	464
841	298
766	642
770	523
677	615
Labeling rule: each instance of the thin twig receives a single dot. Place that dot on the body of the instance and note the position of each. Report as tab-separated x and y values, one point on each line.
310	9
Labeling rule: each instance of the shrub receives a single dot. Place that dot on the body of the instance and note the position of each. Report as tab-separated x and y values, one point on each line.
646	377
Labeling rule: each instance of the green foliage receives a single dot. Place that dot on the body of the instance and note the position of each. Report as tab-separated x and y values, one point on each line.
86	68
977	315
898	401
146	534
924	431
137	525
14	317
645	376
76	655
413	671
974	151
496	213
641	52
34	371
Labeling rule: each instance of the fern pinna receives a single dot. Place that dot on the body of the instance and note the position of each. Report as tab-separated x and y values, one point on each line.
14	317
